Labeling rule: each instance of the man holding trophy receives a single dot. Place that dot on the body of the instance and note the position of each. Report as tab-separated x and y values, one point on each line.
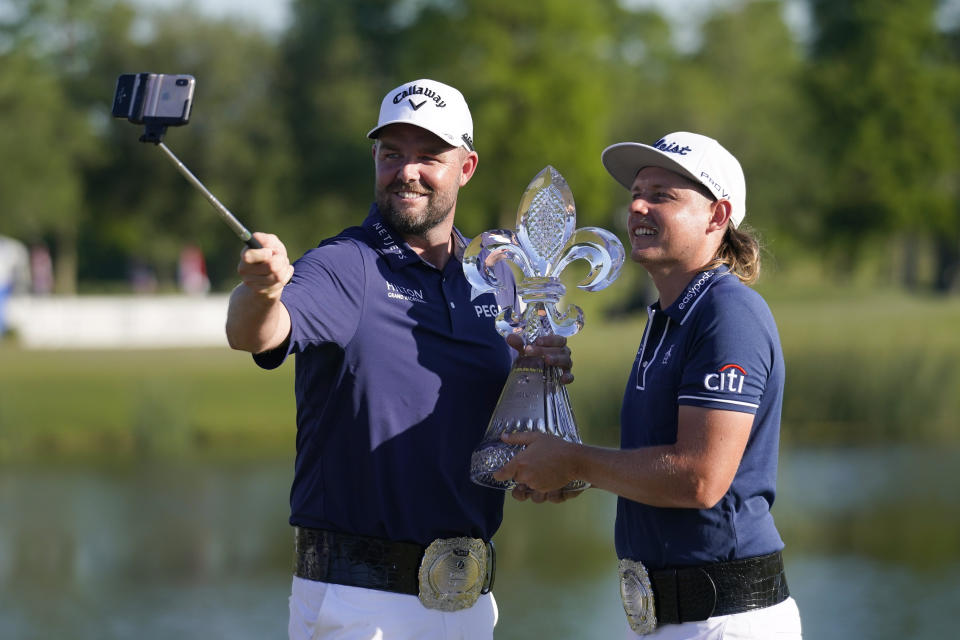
398	368
696	471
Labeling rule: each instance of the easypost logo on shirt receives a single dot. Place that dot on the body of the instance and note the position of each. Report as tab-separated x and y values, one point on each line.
398	292
729	379
696	288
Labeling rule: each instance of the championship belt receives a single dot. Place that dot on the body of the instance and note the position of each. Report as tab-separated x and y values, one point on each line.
455	572
637	596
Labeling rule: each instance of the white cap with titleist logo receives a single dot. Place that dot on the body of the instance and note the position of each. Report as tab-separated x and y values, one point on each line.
430	105
693	156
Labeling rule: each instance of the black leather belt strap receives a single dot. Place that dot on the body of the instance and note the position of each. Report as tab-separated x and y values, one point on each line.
687	594
361	561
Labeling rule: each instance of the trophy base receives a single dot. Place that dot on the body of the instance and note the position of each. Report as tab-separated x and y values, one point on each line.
489	458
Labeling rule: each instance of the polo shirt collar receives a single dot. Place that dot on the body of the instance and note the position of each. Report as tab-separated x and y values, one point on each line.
394	248
701	282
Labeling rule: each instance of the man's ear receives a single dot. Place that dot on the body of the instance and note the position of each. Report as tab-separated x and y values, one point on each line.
721	210
467	166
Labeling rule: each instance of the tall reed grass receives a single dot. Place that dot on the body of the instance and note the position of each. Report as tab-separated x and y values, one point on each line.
860	370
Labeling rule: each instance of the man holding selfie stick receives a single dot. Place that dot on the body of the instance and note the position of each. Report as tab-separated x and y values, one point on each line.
398	369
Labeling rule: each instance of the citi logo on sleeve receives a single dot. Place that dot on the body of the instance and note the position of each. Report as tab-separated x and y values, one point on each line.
729	378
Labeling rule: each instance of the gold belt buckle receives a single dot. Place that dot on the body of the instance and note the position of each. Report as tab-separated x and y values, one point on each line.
637	596
453	573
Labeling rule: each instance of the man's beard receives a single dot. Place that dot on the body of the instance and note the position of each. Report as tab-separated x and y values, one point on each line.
438	207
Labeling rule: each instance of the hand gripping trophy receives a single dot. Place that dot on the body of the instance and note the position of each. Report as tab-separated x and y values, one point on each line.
544	243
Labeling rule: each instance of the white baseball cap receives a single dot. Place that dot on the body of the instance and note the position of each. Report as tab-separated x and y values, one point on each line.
693	156
430	105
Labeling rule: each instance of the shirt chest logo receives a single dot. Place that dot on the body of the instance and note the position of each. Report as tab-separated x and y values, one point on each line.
666	356
399	292
729	378
487	310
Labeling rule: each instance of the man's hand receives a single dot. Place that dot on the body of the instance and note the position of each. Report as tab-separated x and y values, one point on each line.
544	466
265	271
521	492
553	350
256	319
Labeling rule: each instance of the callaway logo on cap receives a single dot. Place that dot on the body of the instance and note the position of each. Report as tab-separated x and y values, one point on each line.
430	105
693	156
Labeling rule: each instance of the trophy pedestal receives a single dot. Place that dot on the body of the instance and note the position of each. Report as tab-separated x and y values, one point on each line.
532	400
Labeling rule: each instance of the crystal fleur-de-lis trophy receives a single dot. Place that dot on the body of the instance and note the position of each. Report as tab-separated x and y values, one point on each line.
544	243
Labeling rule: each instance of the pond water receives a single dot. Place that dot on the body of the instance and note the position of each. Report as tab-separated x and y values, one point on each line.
202	550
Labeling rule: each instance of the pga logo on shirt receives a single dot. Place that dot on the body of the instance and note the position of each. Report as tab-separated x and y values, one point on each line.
487	310
729	379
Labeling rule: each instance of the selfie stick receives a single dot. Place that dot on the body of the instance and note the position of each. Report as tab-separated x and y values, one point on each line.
154	134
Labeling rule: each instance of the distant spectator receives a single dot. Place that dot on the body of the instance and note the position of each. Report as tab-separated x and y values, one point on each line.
192	271
142	277
41	269
14	274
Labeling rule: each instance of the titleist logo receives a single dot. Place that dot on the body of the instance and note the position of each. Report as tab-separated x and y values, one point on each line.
671	147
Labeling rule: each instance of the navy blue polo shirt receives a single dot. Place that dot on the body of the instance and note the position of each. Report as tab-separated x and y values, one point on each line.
716	346
398	369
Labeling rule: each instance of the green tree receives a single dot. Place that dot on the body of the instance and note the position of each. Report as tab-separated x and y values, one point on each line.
539	77
885	95
81	179
46	142
541	81
337	60
743	86
236	143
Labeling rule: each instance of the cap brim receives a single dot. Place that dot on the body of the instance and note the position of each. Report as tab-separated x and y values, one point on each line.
625	159
375	132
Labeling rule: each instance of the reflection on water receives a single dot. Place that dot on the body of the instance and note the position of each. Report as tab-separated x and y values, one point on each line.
203	550
849	596
155	552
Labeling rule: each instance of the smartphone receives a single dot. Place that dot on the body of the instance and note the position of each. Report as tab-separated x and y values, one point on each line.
154	98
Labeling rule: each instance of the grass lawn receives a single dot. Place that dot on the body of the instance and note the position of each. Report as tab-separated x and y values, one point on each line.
124	402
